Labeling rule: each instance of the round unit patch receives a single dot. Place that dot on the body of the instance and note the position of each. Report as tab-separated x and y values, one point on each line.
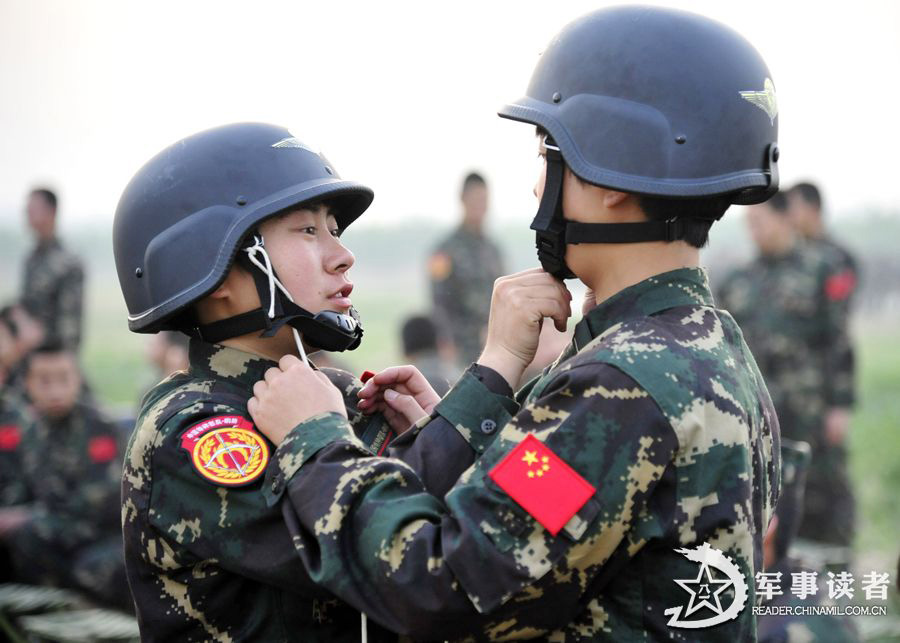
226	450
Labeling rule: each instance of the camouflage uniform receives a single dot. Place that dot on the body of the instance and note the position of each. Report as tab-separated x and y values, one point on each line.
71	469
463	268
657	403
795	323
52	291
840	287
14	417
210	562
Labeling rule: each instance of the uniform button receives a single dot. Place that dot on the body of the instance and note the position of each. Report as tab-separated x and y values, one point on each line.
488	426
276	486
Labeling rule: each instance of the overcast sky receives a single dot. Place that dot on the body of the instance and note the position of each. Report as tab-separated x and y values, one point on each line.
402	96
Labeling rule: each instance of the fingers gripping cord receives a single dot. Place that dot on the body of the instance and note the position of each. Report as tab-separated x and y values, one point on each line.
258	247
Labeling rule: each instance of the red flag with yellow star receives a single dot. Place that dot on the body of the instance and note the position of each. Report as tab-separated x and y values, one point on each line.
543	485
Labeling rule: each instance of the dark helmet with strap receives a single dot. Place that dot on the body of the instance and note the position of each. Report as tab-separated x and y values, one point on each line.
192	209
650	101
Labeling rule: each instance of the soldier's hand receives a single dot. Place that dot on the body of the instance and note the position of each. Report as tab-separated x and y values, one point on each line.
519	304
289	395
401	394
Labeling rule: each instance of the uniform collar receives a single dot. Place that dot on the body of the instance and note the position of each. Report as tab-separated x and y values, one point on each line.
223	362
682	287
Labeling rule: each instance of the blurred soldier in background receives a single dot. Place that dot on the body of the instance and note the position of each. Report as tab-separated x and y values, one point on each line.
53	284
21	333
424	349
796	329
784	628
13	416
462	269
63	526
805	212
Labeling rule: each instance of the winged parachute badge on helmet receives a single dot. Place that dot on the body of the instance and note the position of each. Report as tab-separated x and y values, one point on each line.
765	99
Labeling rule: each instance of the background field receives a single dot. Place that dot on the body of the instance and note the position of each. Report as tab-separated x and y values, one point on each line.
390	286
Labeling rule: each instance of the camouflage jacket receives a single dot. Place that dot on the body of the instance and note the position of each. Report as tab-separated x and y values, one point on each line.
211	561
14	418
71	469
462	270
657	404
796	328
52	291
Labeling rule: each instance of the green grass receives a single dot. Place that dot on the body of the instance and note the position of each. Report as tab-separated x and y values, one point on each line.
875	442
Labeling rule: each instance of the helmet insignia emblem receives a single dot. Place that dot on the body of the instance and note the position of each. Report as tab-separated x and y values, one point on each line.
293	142
765	99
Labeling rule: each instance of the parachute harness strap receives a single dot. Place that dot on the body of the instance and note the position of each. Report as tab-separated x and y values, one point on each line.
259	248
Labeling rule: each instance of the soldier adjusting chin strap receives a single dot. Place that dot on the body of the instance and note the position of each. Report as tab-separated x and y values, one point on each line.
553	232
327	330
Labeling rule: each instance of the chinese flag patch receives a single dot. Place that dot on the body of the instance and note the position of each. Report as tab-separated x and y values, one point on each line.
543	485
10	437
102	448
839	287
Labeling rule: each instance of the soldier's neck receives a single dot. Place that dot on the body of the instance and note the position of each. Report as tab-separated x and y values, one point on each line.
619	266
271	348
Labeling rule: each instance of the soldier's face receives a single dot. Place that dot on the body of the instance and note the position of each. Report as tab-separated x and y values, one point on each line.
803	216
767	228
475	203
40	214
310	259
53	383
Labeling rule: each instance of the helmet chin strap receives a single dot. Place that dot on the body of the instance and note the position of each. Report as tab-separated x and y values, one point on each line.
258	247
554	233
326	329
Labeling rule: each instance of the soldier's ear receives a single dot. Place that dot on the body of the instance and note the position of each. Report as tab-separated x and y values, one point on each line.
612	198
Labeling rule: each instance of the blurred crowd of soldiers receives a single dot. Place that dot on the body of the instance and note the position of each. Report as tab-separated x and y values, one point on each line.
60	458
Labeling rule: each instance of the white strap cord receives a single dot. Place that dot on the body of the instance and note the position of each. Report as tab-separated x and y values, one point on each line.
364	632
259	247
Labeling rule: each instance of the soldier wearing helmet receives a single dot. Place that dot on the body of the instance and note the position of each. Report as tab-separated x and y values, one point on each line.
648	447
232	236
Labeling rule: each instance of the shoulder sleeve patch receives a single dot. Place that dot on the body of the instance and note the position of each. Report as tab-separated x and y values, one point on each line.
102	448
542	483
840	286
226	450
10	437
440	266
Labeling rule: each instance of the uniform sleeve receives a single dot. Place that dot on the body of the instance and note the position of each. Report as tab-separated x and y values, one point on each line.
71	298
429	567
192	520
462	426
837	288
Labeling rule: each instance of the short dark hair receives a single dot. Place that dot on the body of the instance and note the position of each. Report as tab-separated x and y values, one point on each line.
49	347
419	333
778	202
472	179
809	193
698	214
47	194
